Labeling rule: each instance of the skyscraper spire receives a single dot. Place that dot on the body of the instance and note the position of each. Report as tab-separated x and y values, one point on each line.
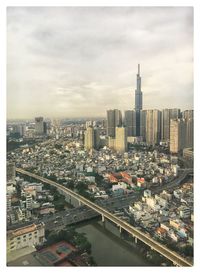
138	101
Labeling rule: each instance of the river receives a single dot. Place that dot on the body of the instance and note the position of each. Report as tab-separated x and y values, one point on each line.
108	249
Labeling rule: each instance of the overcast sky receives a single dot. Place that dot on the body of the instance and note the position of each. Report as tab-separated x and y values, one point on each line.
73	62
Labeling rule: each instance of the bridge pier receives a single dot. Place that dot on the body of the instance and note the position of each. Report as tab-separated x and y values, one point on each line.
79	203
120	229
135	240
102	218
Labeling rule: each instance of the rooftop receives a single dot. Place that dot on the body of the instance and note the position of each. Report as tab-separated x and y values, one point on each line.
24	230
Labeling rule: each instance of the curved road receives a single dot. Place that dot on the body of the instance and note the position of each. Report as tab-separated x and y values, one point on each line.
169	254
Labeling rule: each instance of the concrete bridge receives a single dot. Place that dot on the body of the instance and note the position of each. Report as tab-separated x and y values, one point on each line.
145	238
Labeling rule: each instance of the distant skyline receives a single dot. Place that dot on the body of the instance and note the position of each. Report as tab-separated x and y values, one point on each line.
81	61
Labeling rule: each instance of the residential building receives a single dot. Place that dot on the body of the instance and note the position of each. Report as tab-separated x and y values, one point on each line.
153	127
143	124
25	236
111	142
121	139
167	115
189	138
177	135
188	114
114	119
130	122
39	126
91	138
29	201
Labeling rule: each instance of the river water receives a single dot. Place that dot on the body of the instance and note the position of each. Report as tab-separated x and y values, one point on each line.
109	249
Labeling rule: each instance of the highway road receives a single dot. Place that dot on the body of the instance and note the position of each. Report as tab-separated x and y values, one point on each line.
79	214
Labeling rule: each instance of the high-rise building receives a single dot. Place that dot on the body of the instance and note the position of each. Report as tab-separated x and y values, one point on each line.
130	122
138	102
188	114
177	135
143	124
18	130
189	138
45	127
96	138
153	127
88	123
165	125
121	139
111	142
181	134
167	115
114	119
91	139
175	113
39	126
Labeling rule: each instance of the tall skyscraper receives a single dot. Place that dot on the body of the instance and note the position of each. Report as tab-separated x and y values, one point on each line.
177	135
114	119
91	139
143	114
167	115
96	138
138	92
189	139
138	102
188	114
39	126
130	122
165	125
153	127
121	139
175	113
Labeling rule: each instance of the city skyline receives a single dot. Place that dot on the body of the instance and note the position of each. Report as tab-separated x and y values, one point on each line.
65	68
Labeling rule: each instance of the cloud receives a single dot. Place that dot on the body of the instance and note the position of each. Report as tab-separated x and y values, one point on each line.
65	61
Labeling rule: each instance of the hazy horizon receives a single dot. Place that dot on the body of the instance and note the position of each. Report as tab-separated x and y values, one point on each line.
73	62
